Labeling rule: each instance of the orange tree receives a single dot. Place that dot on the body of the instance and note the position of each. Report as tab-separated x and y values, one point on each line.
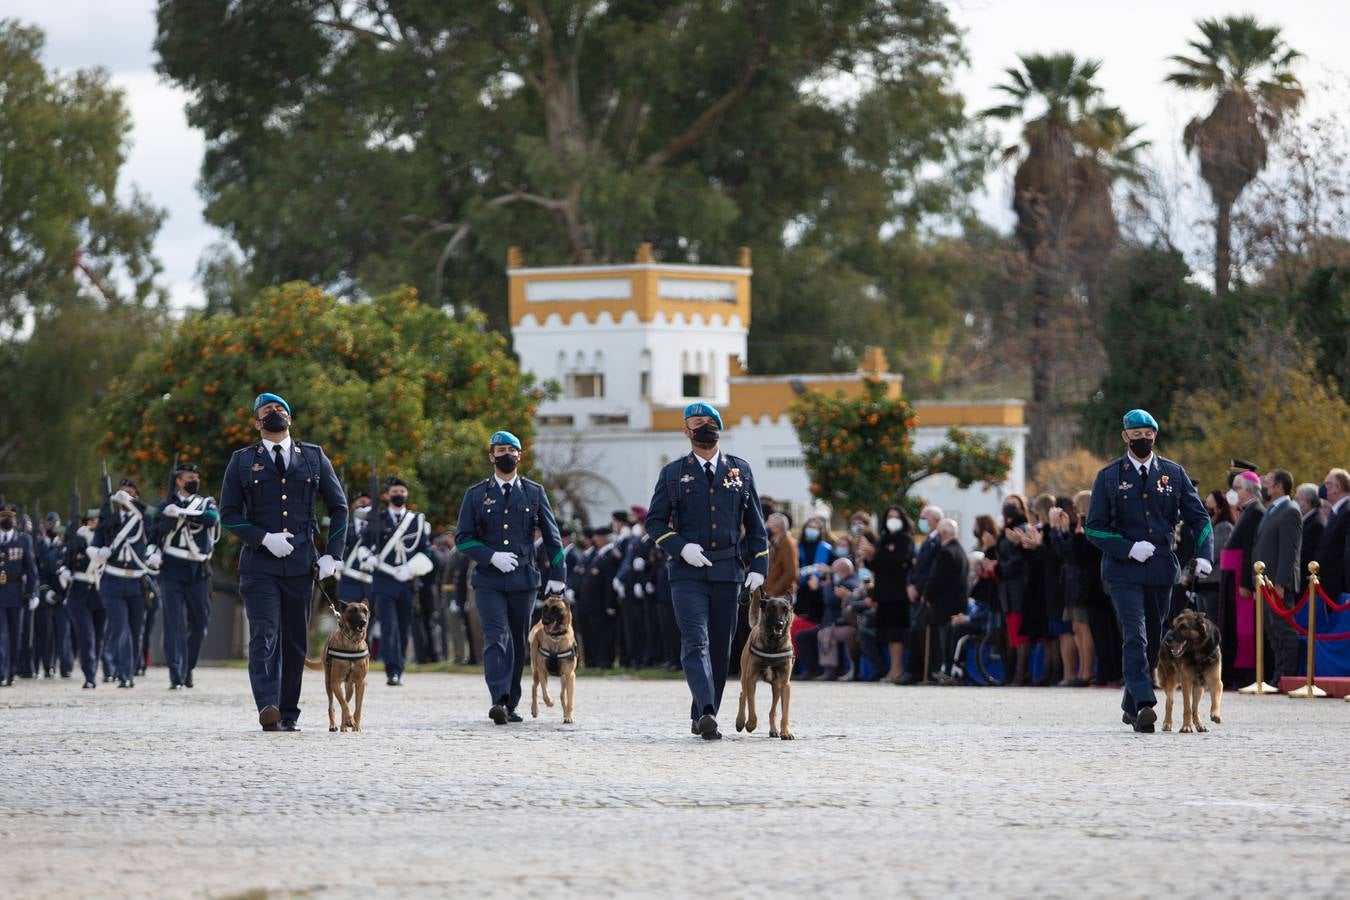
859	451
389	382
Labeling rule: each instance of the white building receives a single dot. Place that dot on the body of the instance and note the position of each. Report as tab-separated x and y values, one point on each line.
632	344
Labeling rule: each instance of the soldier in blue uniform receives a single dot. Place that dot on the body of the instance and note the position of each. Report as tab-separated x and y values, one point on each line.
52	648
79	575
496	528
396	549
121	546
18	587
186	530
706	515
1137	502
354	583
267	501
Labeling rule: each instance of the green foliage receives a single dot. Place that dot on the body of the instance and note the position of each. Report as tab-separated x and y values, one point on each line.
428	137
65	140
390	382
860	455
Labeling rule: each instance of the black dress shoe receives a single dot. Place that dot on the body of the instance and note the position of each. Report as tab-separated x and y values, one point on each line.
125	683
513	716
107	678
65	674
175	687
498	714
390	681
1144	719
50	673
1127	719
707	728
693	726
268	717
289	725
88	686
187	682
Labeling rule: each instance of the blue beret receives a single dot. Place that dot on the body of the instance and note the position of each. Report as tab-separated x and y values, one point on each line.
1139	418
505	438
263	399
703	409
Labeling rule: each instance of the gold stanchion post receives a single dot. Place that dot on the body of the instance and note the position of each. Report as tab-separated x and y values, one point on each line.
1259	686
1310	689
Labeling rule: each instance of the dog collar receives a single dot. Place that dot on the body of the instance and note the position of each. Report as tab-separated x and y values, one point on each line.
764	654
560	654
349	654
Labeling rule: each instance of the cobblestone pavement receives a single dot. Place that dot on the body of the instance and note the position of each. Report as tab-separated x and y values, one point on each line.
887	792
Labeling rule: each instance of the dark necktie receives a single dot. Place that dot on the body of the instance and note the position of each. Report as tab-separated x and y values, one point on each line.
279	460
506	493
708	467
1143	473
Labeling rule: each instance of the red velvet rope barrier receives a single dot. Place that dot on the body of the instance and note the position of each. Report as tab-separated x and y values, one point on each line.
1335	607
1288	615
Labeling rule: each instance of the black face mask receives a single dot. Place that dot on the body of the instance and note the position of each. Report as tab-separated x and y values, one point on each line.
276	421
397	499
505	463
1322	492
6	524
192	487
1141	447
706	433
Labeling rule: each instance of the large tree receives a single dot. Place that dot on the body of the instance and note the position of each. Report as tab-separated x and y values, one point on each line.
63	228
390	382
365	144
1072	148
1246	66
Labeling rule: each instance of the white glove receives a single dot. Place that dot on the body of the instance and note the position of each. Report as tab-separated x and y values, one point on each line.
504	562
154	559
63	577
618	587
362	553
403	572
637	591
693	554
1203	567
122	498
278	544
754	580
328	566
555	587
32	603
639	564
50	596
1141	551
419	564
172	511
101	554
571	595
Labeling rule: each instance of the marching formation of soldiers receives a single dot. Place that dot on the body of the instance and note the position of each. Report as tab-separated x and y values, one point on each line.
89	592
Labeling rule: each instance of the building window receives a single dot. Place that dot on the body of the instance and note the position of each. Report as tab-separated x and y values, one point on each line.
591	384
610	420
554	421
693	384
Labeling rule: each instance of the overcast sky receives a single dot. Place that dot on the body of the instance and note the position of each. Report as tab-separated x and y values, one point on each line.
1133	39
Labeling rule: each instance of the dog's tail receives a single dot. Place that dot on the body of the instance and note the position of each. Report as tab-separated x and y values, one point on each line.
314	665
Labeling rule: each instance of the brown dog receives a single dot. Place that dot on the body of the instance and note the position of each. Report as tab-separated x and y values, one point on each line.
345	662
768	656
1192	658
553	650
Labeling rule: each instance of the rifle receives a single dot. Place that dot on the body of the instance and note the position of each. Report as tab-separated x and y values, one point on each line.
375	504
106	484
75	517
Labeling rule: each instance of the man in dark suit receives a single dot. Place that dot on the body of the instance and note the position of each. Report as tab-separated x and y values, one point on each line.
929	519
1310	506
1279	538
18	587
267	501
946	591
1335	544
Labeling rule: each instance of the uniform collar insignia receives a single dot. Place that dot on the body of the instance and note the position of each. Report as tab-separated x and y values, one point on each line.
257	467
685	479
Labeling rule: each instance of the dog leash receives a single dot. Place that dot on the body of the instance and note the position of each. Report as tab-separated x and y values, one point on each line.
318	582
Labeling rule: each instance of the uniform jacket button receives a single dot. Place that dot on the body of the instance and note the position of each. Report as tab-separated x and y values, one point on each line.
506	543
283	496
284	513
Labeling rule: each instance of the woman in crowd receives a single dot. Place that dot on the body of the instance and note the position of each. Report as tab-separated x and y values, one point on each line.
1223	518
1103	629
1076	647
1047	586
892	557
1016	547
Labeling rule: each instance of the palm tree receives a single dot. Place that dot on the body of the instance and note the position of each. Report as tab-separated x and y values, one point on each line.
1073	148
1247	66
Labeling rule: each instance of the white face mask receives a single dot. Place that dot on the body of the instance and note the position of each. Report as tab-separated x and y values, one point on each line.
893	525
1232	497
85	532
625	531
637	531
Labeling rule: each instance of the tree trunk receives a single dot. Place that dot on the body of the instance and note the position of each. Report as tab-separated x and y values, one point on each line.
1223	264
1040	414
